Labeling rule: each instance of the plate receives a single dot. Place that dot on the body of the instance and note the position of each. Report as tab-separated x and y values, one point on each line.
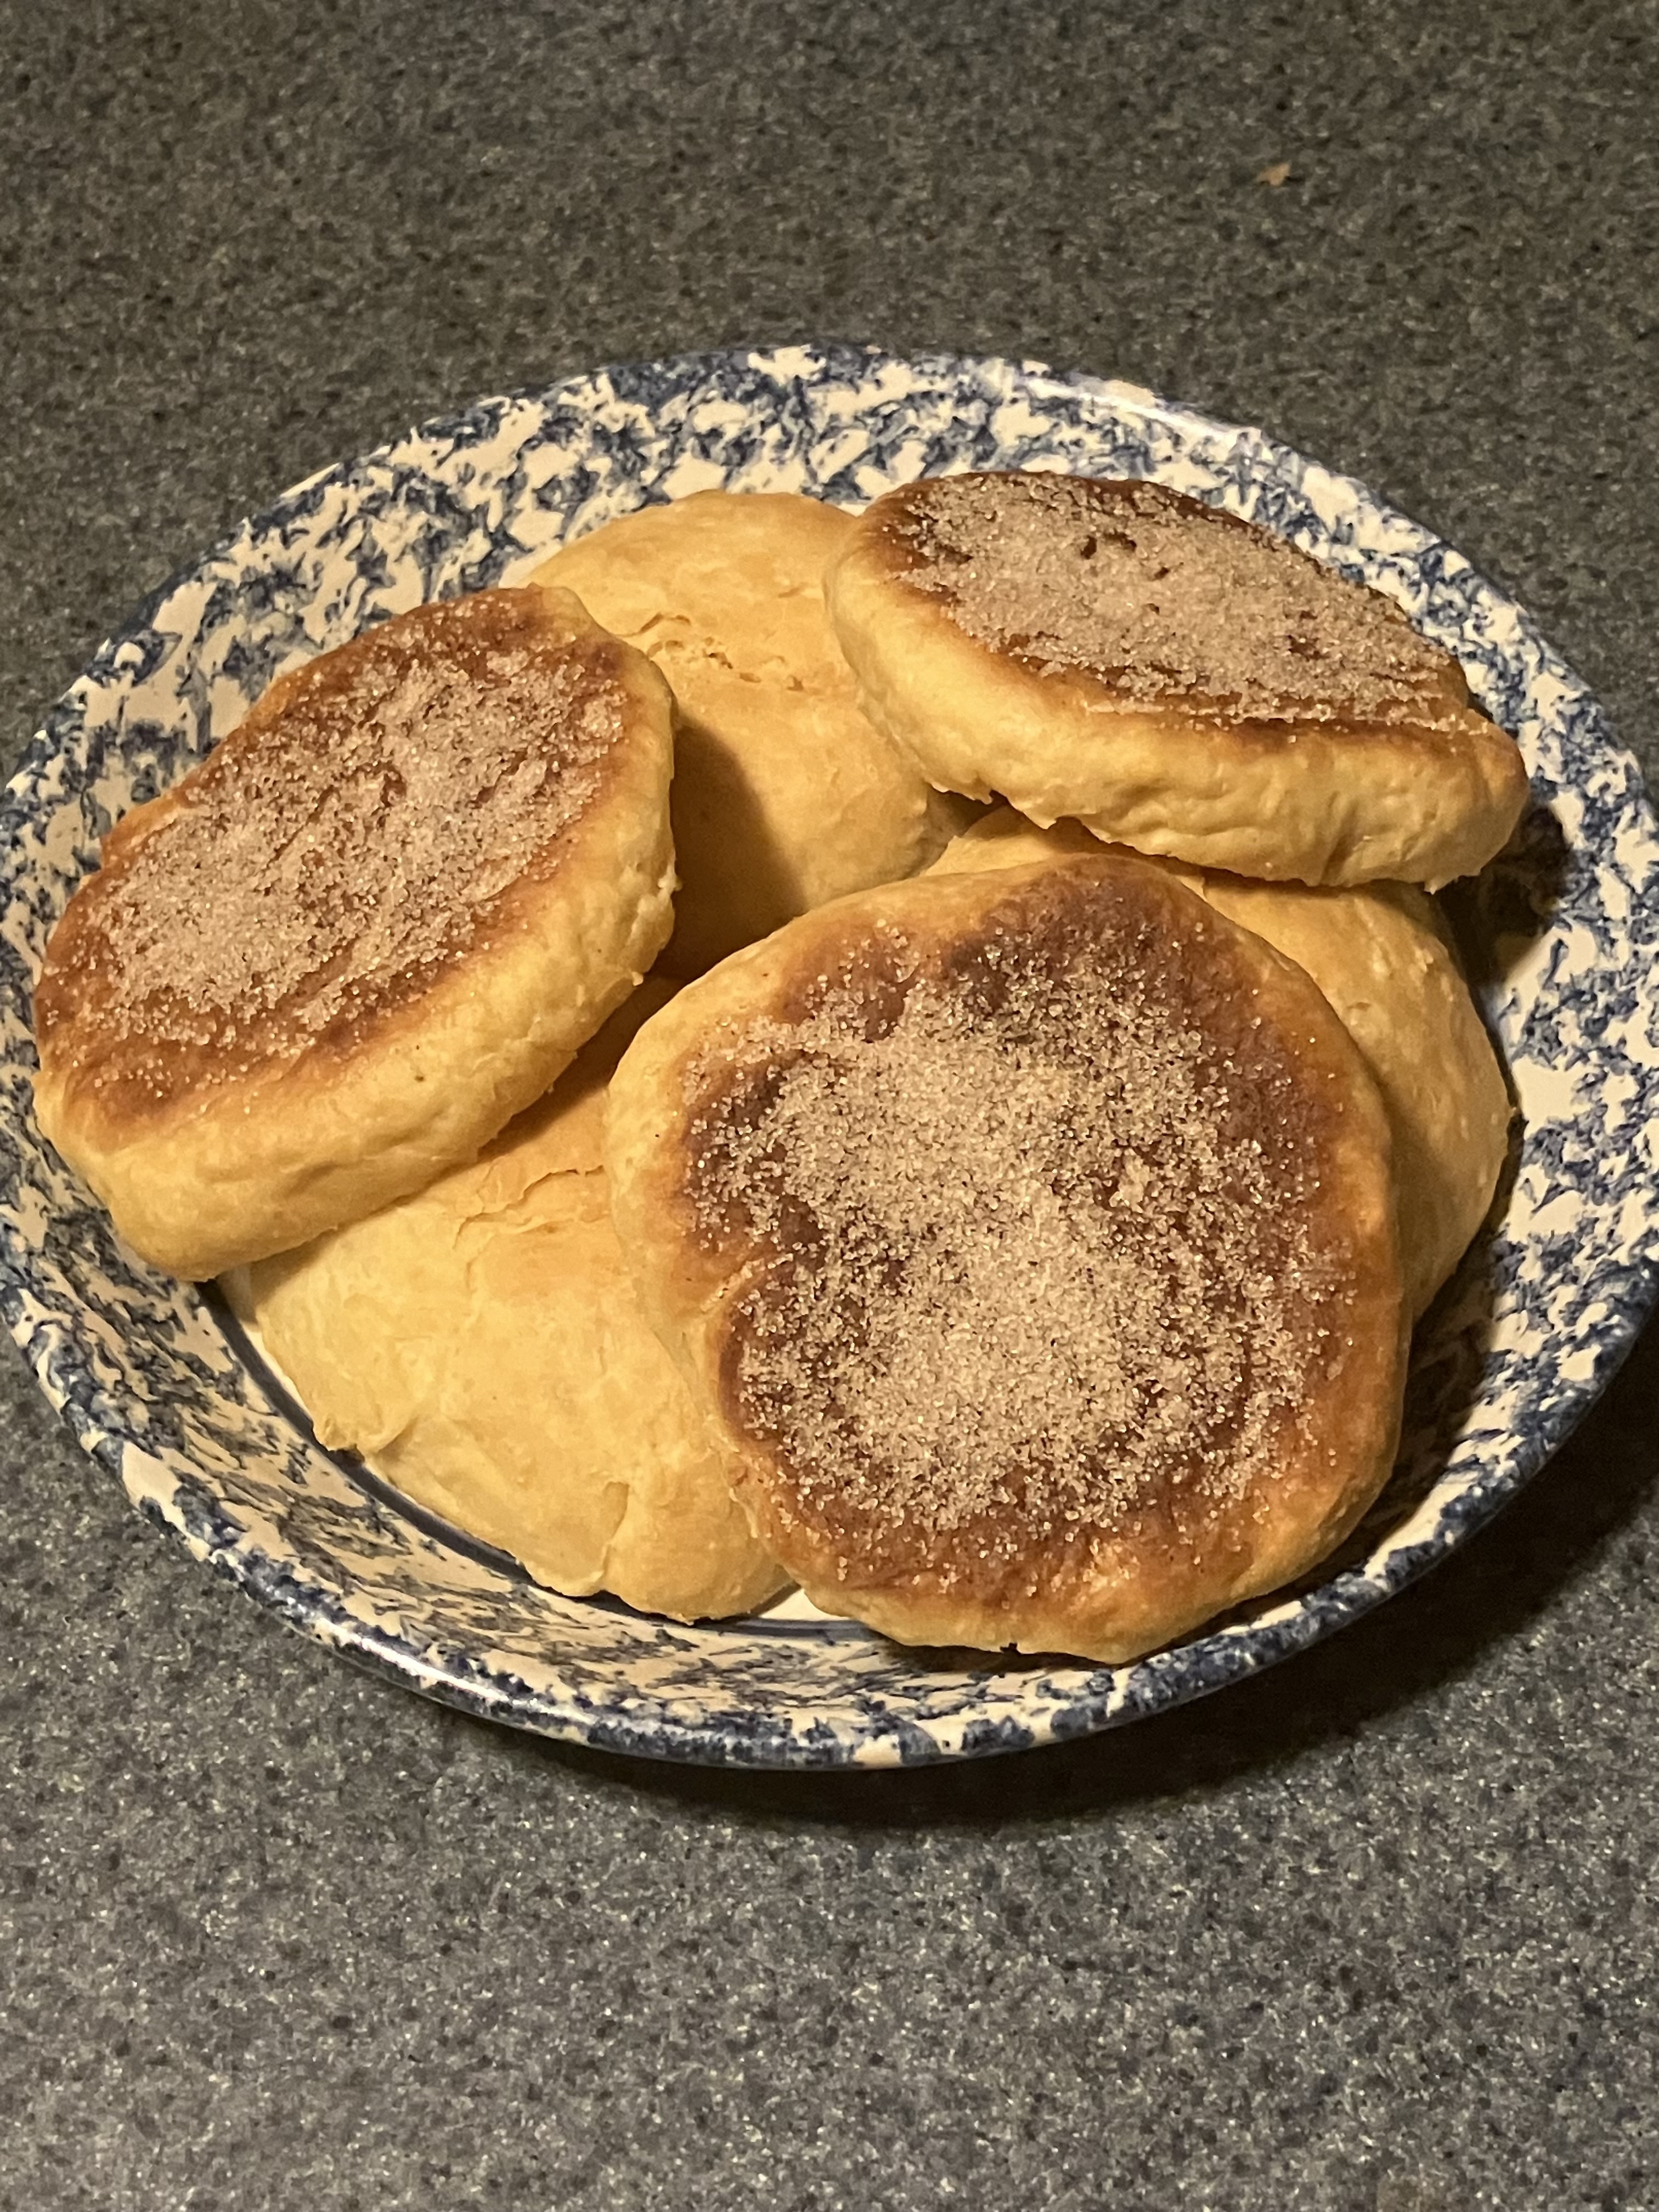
1563	931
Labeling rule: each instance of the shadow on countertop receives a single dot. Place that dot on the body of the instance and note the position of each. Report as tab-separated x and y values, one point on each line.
1540	1544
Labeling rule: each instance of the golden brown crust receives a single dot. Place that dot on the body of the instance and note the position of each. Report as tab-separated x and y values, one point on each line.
480	1345
784	795
375	923
1030	1238
1380	954
299	889
1183	682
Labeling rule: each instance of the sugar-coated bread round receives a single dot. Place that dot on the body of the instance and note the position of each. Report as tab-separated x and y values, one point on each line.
1381	955
374	924
481	1345
784	795
1028	1237
1179	680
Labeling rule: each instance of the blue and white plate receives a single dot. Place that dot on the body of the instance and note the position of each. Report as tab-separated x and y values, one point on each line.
154	1384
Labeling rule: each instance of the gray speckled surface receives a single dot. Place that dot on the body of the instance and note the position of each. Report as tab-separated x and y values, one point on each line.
1375	1933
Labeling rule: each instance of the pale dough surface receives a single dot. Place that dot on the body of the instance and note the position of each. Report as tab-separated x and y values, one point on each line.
1380	956
784	794
480	1345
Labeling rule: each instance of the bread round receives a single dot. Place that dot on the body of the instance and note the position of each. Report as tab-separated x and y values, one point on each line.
480	1345
784	795
377	921
1180	681
1029	1236
1381	955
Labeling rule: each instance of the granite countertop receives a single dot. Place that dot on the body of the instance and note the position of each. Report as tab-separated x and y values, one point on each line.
1376	1932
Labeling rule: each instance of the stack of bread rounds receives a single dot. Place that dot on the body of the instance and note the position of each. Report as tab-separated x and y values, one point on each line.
1011	1234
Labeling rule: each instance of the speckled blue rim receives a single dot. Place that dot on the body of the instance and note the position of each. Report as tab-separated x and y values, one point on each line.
1563	927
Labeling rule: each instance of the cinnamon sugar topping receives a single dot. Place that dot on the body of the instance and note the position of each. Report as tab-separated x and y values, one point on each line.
1157	596
1039	1238
349	840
